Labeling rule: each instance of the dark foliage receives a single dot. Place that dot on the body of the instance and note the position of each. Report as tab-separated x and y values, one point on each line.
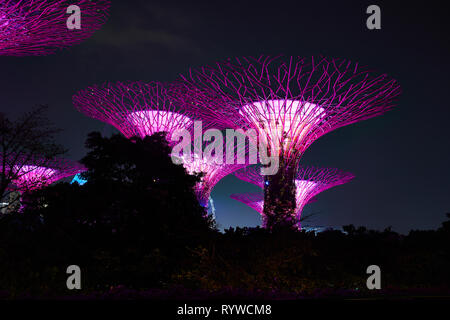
136	230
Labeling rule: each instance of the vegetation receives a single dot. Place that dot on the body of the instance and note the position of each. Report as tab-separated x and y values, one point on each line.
136	225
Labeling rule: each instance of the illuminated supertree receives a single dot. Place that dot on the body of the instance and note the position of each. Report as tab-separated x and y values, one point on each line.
142	109
43	172
309	182
212	169
253	200
135	108
31	27
290	102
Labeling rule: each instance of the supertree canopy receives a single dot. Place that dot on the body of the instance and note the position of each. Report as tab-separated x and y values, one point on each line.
253	200
309	182
142	109
290	102
43	172
213	167
135	108
31	27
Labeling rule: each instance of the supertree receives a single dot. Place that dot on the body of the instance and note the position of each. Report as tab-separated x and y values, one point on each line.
137	109
142	109
31	27
290	102
309	182
211	173
256	202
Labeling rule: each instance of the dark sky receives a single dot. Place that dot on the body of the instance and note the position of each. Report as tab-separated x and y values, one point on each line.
401	159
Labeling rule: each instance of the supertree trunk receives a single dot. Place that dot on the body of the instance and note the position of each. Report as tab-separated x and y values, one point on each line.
279	198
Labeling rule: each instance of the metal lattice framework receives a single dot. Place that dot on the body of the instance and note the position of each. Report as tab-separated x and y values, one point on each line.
309	182
38	173
142	109
289	101
251	199
212	174
213	168
134	108
32	27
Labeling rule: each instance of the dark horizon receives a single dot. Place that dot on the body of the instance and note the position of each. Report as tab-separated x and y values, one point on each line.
399	159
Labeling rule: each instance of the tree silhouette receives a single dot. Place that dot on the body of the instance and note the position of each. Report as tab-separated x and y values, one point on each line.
30	137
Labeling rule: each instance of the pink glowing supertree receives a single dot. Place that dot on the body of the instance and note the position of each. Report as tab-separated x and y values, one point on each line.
253	200
38	173
31	27
290	102
212	173
142	109
309	182
137	109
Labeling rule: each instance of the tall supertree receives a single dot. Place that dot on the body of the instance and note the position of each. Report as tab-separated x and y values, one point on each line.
137	109
309	182
290	102
39	27
142	109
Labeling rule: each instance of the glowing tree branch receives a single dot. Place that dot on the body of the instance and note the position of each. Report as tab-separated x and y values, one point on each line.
290	102
309	182
214	167
42	172
31	27
142	109
137	109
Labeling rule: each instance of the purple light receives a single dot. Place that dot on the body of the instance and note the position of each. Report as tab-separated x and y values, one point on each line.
291	100
212	174
31	177
309	182
141	109
150	122
137	109
30	27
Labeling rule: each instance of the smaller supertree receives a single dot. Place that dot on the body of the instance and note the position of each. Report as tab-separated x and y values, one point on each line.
137	109
309	182
251	199
23	174
31	27
213	168
42	173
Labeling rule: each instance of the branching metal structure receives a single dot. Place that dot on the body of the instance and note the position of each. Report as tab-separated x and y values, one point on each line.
251	199
211	172
142	109
290	102
39	27
309	182
137	109
39	173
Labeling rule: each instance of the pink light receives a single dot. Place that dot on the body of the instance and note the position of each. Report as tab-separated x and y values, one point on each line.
212	174
309	183
28	172
134	108
33	177
147	123
292	100
283	123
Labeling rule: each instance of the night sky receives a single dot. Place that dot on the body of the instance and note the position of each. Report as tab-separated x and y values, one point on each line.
401	159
